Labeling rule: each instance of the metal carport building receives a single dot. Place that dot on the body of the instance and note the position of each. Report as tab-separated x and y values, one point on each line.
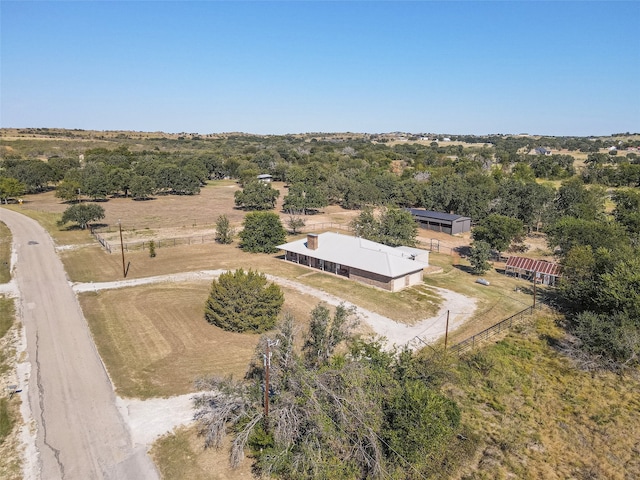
441	222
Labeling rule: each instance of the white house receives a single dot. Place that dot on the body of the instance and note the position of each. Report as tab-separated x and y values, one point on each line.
362	260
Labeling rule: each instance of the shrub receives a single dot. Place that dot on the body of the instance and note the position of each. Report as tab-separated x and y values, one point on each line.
243	302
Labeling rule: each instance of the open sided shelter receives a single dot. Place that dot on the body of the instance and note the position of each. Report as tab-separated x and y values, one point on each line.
545	272
440	221
362	260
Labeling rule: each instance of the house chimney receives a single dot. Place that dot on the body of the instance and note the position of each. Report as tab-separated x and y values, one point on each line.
312	241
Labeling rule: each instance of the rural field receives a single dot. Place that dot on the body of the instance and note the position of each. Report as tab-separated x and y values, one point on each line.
192	217
155	341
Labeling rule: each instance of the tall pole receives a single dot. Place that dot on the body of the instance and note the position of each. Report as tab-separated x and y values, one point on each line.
267	364
535	283
446	331
124	271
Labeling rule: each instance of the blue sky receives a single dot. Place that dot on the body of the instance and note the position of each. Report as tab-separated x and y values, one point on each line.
552	68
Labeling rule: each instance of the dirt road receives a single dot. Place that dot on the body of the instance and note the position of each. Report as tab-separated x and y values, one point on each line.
80	432
415	336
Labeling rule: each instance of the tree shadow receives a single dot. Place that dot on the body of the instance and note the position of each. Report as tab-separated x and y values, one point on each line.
466	269
142	199
71	228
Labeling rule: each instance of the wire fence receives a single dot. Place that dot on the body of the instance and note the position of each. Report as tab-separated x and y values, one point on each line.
504	325
433	245
158	243
326	226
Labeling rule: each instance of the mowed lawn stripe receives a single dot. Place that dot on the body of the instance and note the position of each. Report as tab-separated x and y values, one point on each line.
155	341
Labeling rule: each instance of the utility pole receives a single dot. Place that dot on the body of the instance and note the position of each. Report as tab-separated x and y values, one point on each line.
267	365
446	331
124	270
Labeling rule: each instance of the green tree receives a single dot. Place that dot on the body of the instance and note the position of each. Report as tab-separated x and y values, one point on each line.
569	232
224	232
578	284
528	202
576	200
11	188
418	420
620	290
303	197
393	227
523	173
479	257
243	302
366	225
498	231
397	227
256	195
627	211
95	183
120	180
325	333
612	338
34	174
82	214
295	223
69	190
262	232
141	186
61	166
341	408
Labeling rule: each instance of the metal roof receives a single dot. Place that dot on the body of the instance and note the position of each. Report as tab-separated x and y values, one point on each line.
530	265
417	212
358	253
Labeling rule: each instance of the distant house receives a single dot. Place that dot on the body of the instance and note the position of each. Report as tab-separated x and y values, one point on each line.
362	260
441	222
540	151
545	272
265	177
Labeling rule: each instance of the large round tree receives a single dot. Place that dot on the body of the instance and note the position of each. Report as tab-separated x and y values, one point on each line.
82	214
262	232
243	302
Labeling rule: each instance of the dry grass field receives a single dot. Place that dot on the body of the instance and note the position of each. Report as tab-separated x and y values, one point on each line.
539	417
534	414
10	442
92	264
5	253
181	456
170	215
155	341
